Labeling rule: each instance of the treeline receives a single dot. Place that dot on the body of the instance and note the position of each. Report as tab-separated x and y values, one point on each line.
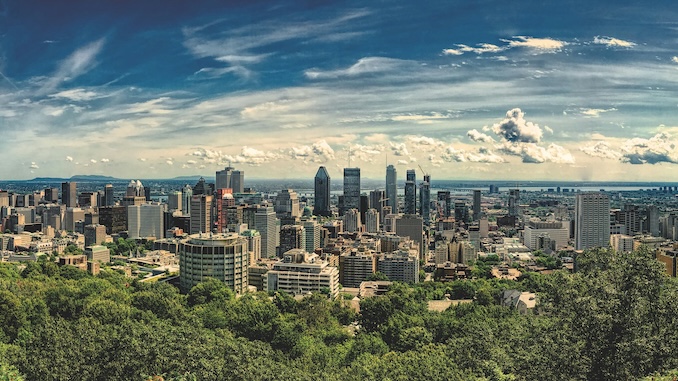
614	319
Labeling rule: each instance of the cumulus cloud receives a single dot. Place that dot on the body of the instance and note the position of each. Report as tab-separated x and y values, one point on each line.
93	161
674	59
478	136
482	155
659	148
535	154
514	128
613	42
252	156
319	152
402	162
424	141
399	149
191	161
69	158
479	49
34	165
169	162
601	149
547	45
365	152
105	160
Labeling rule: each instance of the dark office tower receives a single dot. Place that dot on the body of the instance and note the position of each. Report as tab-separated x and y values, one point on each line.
425	199
460	212
224	178
52	195
411	192
238	181
391	188
322	193
69	194
445	203
147	193
378	201
514	202
592	221
351	189
652	214
109	199
364	205
476	205
202	188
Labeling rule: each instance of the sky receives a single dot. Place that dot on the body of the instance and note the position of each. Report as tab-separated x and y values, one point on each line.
487	89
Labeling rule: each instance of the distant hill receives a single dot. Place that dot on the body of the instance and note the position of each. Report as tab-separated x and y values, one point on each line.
93	178
48	179
190	178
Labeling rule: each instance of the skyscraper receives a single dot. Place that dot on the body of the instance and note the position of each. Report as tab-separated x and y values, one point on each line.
264	222
425	199
411	192
201	213
476	205
322	193
514	202
592	221
351	189
391	188
372	221
186	194
287	204
69	194
229	177
109	199
238	181
224	178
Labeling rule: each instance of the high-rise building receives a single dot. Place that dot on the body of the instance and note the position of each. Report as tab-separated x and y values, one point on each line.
476	205
391	188
222	202
557	231
174	201
95	234
224	178
109	198
51	195
146	220
592	221
253	244
652	214
114	218
201	187
514	202
378	201
351	189
186	194
322	193
445	204
312	231
352	221
292	237
401	266
372	221
412	226
287	204
300	273
220	256
135	188
410	206
264	222
238	181
355	267
425	199
69	194
201	213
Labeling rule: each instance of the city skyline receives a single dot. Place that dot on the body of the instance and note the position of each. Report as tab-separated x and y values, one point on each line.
492	91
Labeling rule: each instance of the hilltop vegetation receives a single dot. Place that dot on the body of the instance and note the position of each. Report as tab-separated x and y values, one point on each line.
615	319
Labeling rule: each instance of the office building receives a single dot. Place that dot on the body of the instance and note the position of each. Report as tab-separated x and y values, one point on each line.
287	204
201	187
621	243
174	201
223	178
253	245
652	218
69	194
109	198
146	220
135	189
238	181
51	195
592	221
321	195
186	195
351	189
557	231
265	223
413	227
100	254
514	202
114	218
312	231
292	237
201	213
95	234
301	273
425	199
219	256
460	212
410	206
476	205
391	188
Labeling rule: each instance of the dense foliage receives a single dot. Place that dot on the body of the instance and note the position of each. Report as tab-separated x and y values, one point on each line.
614	319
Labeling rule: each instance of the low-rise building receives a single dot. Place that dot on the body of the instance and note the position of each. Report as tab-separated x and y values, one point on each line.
301	273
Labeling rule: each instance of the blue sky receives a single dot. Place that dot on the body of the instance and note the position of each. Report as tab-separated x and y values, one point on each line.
526	90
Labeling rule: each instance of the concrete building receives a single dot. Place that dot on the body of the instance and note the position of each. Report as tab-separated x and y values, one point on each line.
187	195
98	254
476	204
425	199
220	256
352	221
401	266
301	273
253	244
621	243
356	266
287	204
174	201
413	227
592	221
514	202
265	223
372	221
69	194
292	237
109	197
558	231
391	188
146	220
321	195
201	213
312	231
95	234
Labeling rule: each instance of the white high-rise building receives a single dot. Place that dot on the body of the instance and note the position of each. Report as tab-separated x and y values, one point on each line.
265	223
592	221
145	220
352	221
372	221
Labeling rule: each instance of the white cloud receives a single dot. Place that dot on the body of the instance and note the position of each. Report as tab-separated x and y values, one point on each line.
613	42
478	136
674	59
364	66
76	95
421	118
659	148
169	162
514	128
402	162
76	64
105	160
601	149
93	161
480	49
595	112
34	165
548	45
482	155
69	158
532	153
399	149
